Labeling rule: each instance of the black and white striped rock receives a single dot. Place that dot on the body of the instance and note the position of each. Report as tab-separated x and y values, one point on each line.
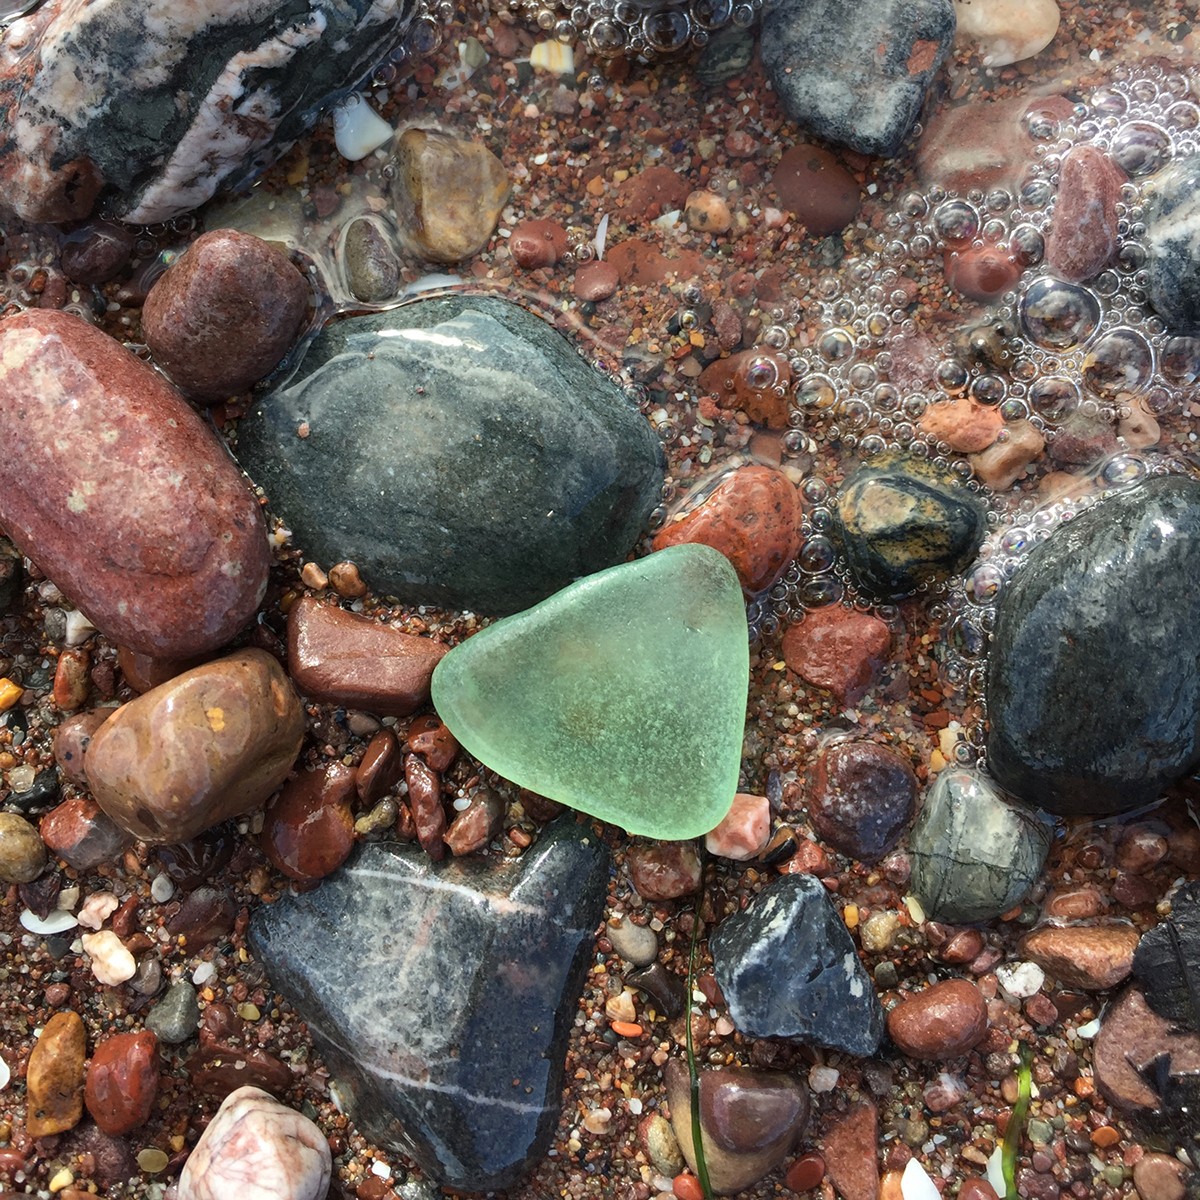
441	995
1173	244
158	103
788	968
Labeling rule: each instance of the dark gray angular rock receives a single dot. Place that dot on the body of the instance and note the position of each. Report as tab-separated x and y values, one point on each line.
974	855
855	73
1093	688
787	967
1167	961
1173	244
158	103
441	995
177	1015
459	451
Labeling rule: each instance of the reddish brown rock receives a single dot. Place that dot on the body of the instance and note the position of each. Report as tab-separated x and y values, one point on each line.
477	824
982	272
71	680
1006	459
752	517
1093	957
135	509
863	797
425	801
72	737
380	768
645	265
665	870
82	835
340	657
122	1082
648	194
1083	230
308	830
962	424
817	189
1160	1177
754	382
211	744
977	1189
851	1157
1075	904
838	649
596	280
223	315
537	243
429	737
946	1020
97	251
54	1076
144	671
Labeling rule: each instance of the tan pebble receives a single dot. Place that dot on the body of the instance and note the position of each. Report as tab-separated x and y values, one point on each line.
706	212
111	961
346	581
22	853
962	424
54	1076
1005	460
1139	430
1003	32
97	908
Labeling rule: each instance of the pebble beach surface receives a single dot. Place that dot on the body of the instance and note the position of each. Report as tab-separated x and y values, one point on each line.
543	549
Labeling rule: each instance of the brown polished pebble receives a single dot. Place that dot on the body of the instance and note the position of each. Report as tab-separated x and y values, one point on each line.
1005	460
962	423
380	768
223	315
1160	1177
122	1082
664	988
851	1157
813	186
82	835
340	657
664	870
1083	228
425	800
308	829
206	915
429	737
537	243
54	1076
752	517
143	671
1140	849
22	852
977	1189
754	382
982	272
805	1173
71	681
71	739
863	797
346	581
1093	957
962	947
706	212
809	859
647	194
596	280
97	252
837	649
477	824
945	1020
1041	1010
1076	903
199	859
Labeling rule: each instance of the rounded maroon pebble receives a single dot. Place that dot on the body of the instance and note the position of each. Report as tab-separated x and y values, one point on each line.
977	1189
983	272
97	252
944	1021
308	831
863	797
224	314
814	186
537	243
665	870
122	1082
596	281
805	1173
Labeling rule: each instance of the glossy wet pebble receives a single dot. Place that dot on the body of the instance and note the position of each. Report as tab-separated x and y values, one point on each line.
371	266
80	833
54	1077
1094	707
1083	231
664	870
122	1081
1002	32
212	743
308	829
1173	244
862	798
224	314
837	649
22	853
1093	957
945	1020
135	509
176	1015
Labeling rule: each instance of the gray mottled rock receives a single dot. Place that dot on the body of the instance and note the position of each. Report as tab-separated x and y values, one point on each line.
1093	687
1173	243
158	103
787	967
458	451
856	74
974	854
442	995
177	1015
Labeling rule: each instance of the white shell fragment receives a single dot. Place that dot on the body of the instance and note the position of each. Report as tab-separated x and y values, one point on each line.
554	56
5	1074
915	1183
55	922
358	129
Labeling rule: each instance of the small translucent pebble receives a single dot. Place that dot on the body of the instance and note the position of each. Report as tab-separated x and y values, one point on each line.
358	129
915	1184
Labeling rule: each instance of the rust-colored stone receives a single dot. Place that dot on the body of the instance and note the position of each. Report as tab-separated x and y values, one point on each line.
83	836
143	672
425	800
851	1154
477	824
380	768
837	649
1083	230
945	1020
429	737
755	382
1093	957
963	424
982	272
815	187
54	1076
122	1082
308	831
537	243
72	737
665	870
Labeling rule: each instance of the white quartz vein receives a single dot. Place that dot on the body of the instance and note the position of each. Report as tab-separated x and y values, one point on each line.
501	904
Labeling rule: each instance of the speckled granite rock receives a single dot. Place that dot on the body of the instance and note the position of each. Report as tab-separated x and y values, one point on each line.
1173	243
1093	690
443	994
788	968
159	103
856	74
459	451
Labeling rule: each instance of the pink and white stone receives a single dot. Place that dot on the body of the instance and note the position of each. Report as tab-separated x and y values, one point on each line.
744	830
257	1149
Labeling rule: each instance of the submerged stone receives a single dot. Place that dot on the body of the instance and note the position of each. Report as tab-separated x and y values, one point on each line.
1173	243
623	696
1093	687
788	968
459	451
443	994
974	854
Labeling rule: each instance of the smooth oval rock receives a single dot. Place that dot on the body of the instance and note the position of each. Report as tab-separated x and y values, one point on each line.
459	451
982	272
134	509
837	649
537	243
1006	31
54	1076
1094	957
1172	219
1083	229
814	186
371	266
212	743
1093	698
22	852
945	1020
308	829
862	798
224	313
122	1082
752	517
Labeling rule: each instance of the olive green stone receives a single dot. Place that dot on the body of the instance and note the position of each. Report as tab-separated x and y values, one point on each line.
623	695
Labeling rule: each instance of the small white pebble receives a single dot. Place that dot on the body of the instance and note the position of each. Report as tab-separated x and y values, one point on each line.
1021	980
555	57
823	1079
97	908
203	974
724	1026
635	1106
56	922
995	1170
79	628
111	962
68	898
381	1169
915	910
1089	1031
597	1121
915	1184
358	129
162	888
5	1074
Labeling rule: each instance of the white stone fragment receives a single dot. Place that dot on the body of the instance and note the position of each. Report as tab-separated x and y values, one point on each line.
555	57
162	888
1006	31
97	908
915	1183
79	628
358	129
823	1079
54	922
1021	980
111	962
257	1149
203	974
5	1074
1089	1031
995	1170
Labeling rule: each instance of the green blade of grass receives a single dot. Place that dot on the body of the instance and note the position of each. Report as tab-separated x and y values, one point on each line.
1016	1123
693	1073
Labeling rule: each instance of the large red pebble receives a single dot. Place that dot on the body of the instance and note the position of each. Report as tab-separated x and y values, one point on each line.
837	649
752	517
1083	230
814	186
121	494
308	829
755	382
537	243
944	1021
805	1173
122	1082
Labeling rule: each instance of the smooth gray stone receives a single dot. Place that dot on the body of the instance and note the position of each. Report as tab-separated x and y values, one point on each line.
1173	244
1093	685
788	968
855	73
442	995
459	451
177	1015
974	855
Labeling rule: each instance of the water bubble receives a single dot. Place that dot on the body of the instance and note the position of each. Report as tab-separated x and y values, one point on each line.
776	336
835	345
988	389
983	583
1036	193
1181	359
1141	148
1026	245
1054	397
666	30
818	592
1183	116
956	222
1109	101
1015	541
814	490
712	14
1121	362
952	376
1122	470
1059	315
817	555
854	414
605	38
816	391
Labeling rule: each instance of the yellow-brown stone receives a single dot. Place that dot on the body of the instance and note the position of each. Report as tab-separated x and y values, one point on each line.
54	1077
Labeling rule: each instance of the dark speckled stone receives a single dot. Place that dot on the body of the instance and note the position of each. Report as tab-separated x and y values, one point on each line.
1093	687
441	995
903	524
1173	243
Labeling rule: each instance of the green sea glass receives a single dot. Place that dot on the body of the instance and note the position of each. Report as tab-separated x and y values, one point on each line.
623	695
